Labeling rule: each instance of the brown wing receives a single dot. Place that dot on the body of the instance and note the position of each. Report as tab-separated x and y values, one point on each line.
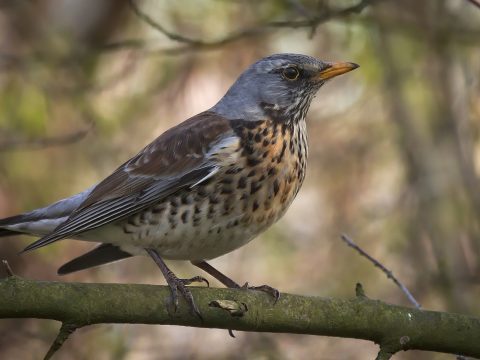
182	156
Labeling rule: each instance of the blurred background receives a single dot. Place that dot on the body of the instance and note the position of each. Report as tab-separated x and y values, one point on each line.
394	151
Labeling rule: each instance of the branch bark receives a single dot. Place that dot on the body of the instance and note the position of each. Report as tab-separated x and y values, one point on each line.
393	327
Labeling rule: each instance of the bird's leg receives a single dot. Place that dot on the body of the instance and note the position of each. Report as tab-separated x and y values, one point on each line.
177	284
225	280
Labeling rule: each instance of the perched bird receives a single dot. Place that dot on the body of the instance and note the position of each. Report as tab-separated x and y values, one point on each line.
204	187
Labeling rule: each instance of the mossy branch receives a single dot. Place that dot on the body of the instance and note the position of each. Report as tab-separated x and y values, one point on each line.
393	327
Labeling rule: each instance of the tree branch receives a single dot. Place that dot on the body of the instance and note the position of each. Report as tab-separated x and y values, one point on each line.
394	328
189	43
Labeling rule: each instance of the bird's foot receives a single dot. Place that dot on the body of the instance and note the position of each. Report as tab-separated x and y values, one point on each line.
180	285
266	289
177	285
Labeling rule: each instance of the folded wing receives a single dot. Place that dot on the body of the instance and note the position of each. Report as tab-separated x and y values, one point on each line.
181	157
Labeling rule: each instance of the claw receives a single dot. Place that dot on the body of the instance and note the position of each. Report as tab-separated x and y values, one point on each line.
195	279
266	289
187	295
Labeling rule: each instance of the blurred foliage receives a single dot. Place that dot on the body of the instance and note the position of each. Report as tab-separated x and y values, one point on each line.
394	150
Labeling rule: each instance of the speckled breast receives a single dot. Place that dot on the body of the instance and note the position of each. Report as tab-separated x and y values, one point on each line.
232	207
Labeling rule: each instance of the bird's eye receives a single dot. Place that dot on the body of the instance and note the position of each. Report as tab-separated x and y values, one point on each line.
290	73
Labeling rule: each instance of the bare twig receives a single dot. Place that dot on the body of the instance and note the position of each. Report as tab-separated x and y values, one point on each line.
387	272
7	267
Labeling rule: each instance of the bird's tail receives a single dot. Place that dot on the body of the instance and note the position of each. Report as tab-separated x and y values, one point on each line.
27	223
42	221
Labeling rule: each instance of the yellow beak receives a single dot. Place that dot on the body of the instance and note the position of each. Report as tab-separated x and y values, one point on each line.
335	69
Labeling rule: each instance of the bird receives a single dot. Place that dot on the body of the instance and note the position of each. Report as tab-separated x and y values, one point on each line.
204	187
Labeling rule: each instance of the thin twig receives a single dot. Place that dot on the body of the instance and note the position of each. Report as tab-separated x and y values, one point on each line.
7	267
387	272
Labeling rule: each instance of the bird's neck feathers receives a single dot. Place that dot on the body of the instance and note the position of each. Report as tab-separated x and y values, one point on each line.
239	103
250	106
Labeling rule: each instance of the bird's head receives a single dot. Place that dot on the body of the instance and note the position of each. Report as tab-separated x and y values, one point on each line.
281	86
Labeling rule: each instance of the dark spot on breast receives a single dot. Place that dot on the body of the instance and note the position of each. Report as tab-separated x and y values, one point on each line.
174	202
196	209
265	154
233	170
250	136
226	190
276	187
211	211
272	171
158	209
184	216
251	161
242	182
265	131
265	143
284	147
186	199
201	191
226	180
255	205
261	178
173	222
248	150
258	137
251	173
254	187
214	199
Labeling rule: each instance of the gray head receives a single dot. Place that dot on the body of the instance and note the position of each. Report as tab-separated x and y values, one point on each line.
281	86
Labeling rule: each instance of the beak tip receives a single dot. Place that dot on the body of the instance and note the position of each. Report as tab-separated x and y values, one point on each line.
336	68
